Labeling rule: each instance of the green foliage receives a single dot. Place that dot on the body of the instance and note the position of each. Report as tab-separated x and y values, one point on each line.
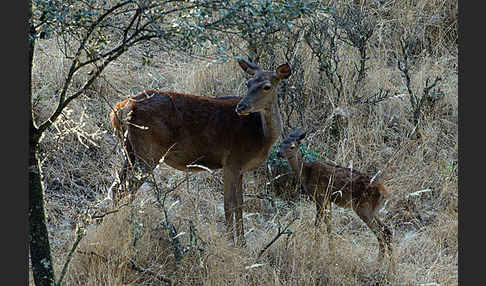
59	17
250	21
447	169
311	155
430	217
308	154
173	25
273	160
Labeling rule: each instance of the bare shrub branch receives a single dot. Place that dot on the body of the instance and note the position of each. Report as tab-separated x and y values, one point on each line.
403	64
281	231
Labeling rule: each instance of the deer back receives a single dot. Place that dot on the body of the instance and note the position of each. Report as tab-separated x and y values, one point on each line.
193	129
345	187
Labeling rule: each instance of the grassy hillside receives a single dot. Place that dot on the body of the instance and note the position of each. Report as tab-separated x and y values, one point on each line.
417	163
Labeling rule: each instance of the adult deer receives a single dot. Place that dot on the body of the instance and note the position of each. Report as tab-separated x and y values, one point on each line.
347	188
233	133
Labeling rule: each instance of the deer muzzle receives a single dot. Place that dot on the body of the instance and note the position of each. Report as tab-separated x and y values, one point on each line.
242	109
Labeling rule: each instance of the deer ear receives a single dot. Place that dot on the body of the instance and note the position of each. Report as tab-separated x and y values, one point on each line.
283	71
302	136
248	67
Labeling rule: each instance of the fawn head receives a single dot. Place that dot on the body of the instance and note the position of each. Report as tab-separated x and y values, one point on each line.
261	88
290	145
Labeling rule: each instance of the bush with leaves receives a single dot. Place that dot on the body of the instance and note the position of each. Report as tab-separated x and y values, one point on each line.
92	34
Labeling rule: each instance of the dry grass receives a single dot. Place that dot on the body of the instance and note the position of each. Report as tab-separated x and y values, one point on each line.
80	158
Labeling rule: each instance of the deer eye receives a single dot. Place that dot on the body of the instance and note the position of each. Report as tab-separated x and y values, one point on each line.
267	87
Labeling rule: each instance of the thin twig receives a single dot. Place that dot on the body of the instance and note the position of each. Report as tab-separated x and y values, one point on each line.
161	277
92	253
80	233
110	212
281	232
428	87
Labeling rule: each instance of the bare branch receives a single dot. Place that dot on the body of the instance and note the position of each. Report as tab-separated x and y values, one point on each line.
280	232
63	102
80	233
109	212
160	277
428	87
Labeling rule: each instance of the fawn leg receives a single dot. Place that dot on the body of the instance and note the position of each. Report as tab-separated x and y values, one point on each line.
367	216
387	235
327	220
317	222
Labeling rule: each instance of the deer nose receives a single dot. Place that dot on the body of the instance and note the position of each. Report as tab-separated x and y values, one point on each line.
241	107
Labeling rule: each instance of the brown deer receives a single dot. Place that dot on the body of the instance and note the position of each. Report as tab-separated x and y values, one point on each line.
231	132
347	188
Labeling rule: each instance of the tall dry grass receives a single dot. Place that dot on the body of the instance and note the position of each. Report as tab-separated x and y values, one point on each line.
132	247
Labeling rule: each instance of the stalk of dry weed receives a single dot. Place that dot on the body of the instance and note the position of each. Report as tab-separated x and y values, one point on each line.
80	157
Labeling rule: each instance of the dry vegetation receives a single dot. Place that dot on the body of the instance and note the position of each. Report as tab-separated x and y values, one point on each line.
132	246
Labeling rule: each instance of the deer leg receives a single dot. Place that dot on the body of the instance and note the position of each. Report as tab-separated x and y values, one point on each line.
229	180
240	233
120	188
133	185
129	183
368	217
319	211
327	220
317	222
387	235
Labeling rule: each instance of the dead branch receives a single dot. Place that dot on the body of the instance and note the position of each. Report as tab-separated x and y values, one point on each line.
80	233
160	277
92	253
109	212
281	231
416	102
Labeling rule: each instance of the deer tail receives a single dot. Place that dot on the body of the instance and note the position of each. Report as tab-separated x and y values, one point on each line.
118	117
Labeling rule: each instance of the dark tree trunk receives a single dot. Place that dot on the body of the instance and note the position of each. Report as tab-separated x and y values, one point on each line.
38	237
40	250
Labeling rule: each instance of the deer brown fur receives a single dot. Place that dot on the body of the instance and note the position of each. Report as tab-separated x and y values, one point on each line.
326	183
233	133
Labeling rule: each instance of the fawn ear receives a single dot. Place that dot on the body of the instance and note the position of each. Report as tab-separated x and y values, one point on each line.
248	67
283	71
301	136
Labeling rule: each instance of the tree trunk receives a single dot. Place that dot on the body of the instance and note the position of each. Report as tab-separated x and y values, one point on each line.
40	249
38	237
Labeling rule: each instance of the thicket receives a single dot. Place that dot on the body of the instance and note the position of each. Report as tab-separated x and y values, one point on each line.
375	85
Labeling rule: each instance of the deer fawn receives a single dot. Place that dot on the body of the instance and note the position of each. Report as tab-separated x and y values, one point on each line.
326	183
233	133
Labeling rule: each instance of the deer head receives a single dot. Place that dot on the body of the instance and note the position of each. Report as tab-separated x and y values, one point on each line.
261	88
289	145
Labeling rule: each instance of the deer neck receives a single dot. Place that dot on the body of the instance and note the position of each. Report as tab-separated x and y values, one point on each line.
298	167
271	122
